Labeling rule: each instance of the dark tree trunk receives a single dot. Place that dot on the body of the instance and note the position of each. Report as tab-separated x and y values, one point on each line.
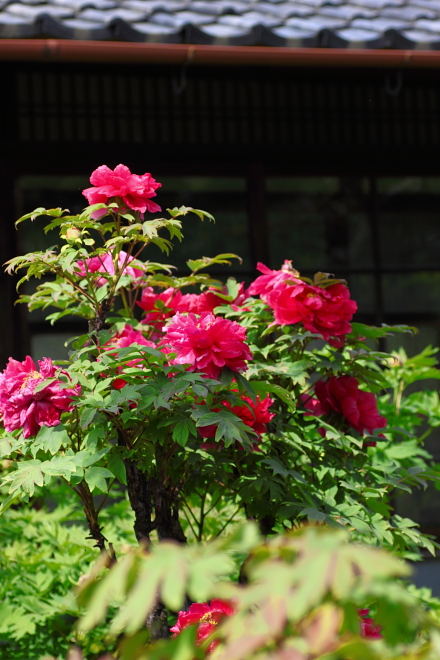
98	323
139	493
166	507
157	622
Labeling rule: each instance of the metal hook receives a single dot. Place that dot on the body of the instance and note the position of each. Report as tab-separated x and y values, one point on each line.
179	86
394	91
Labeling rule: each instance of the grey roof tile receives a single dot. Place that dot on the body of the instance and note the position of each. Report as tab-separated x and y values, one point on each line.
249	20
218	7
286	9
357	35
319	3
25	2
34	11
417	39
104	16
13	27
428	4
301	23
408	13
146	33
378	4
77	5
428	26
220	35
316	23
181	18
151	6
379	24
290	37
348	12
76	28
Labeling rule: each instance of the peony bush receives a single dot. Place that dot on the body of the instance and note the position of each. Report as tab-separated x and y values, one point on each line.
200	404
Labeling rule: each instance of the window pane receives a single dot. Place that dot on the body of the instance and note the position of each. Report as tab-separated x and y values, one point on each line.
319	223
412	293
50	345
362	291
408	213
223	197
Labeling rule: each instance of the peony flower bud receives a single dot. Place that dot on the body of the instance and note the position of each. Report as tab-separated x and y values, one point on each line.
73	234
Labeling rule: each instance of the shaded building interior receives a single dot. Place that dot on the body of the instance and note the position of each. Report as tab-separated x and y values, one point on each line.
336	169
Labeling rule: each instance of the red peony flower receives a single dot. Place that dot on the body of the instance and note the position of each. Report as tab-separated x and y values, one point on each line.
23	408
208	343
103	263
369	628
207	617
343	395
135	190
203	302
170	301
324	311
209	300
256	416
272	279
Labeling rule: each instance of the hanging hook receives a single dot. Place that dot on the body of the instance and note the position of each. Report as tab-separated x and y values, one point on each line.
180	85
394	91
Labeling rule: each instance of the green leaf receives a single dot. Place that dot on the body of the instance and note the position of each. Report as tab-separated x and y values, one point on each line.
181	432
50	438
205	262
96	478
246	385
117	468
87	416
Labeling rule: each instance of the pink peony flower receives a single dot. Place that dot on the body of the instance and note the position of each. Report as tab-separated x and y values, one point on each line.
342	394
103	263
272	279
208	343
135	190
256	416
23	408
324	311
369	628
129	336
207	617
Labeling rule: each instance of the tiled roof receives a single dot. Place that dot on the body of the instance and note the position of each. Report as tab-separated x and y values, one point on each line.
406	24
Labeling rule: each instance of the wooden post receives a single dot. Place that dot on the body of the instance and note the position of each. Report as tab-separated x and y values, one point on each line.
12	318
257	219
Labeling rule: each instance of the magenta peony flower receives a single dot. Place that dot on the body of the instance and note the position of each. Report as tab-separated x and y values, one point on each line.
342	394
369	628
208	343
103	263
324	311
206	616
135	190
23	408
272	279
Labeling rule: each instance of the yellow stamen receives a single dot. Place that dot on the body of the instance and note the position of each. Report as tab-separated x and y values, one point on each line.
32	375
207	618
